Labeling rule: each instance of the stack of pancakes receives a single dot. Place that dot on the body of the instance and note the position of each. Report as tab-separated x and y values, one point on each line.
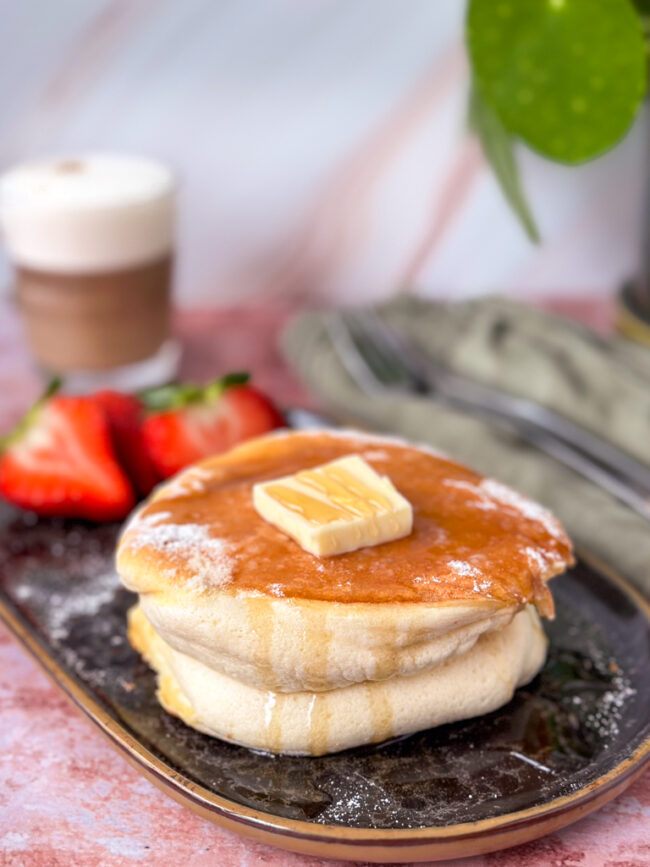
260	643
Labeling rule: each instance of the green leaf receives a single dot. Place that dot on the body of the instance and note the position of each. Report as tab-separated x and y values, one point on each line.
497	147
53	387
177	395
216	388
173	396
32	414
566	76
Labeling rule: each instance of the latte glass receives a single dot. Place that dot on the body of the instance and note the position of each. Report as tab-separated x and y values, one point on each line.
91	238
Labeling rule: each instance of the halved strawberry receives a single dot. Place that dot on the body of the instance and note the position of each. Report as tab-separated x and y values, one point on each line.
125	415
191	422
60	461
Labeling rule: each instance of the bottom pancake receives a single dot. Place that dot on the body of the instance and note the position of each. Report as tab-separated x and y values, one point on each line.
304	723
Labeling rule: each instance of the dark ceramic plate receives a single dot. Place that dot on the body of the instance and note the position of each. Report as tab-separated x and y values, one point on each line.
568	742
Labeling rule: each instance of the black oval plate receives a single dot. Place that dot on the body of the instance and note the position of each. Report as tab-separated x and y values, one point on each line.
579	720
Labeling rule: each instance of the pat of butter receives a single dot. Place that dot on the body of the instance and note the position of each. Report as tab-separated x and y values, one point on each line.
336	507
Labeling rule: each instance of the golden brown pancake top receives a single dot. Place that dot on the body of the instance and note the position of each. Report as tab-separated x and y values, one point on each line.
473	539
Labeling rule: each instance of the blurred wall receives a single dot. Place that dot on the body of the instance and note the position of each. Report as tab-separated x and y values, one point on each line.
321	144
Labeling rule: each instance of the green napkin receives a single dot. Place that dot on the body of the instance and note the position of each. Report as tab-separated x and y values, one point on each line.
601	383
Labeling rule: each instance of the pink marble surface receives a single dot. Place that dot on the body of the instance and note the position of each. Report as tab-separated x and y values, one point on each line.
68	799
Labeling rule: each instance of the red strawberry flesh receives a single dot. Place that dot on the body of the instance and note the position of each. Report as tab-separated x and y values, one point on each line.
124	413
211	423
63	464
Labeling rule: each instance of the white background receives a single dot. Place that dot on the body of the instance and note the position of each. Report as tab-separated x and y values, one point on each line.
321	146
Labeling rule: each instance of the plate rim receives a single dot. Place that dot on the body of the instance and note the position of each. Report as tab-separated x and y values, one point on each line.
475	837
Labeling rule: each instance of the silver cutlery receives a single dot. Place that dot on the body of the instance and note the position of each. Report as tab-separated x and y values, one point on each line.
381	359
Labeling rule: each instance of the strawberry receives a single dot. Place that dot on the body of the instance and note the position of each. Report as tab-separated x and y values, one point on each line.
191	422
59	461
125	415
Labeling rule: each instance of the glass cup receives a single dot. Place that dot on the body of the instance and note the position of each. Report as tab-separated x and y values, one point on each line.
91	238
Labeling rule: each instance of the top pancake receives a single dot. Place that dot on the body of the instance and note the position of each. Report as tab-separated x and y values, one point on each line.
473	538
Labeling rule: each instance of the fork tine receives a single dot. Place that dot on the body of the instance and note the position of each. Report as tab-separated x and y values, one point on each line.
394	351
385	364
378	357
353	360
368	356
409	357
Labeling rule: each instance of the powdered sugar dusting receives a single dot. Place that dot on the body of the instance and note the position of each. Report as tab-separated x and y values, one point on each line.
536	559
206	559
363	437
376	454
489	494
465	569
528	508
154	518
360	437
606	717
173	538
64	607
481	500
480	582
191	481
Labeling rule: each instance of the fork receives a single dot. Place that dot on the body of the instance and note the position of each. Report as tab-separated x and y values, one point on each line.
381	360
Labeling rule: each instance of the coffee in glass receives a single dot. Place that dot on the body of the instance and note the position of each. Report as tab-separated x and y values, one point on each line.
91	238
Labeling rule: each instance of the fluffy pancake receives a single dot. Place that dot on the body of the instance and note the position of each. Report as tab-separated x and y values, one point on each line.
224	587
314	723
289	645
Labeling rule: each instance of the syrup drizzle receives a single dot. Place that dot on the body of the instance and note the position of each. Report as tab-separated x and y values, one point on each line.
343	496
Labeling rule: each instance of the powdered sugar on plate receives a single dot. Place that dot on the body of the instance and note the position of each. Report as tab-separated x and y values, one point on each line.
64	607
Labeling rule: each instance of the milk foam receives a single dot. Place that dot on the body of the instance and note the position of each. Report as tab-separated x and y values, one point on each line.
87	213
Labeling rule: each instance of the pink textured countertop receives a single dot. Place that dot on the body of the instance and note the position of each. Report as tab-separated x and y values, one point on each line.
68	799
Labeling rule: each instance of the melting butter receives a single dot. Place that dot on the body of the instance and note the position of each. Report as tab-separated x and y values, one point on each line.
335	508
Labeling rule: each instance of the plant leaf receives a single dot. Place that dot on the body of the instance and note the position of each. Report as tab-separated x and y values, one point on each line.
643	8
498	149
566	76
